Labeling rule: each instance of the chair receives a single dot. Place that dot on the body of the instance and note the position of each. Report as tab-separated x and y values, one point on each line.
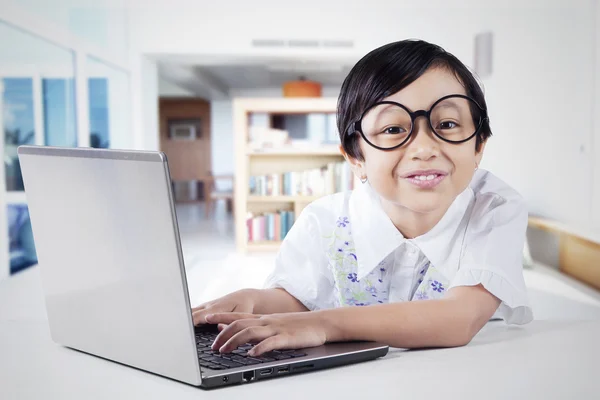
212	194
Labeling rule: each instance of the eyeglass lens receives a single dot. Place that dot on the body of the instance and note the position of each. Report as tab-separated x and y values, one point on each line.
388	125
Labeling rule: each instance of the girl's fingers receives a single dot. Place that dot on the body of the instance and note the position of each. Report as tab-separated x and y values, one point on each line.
250	334
199	317
198	308
271	343
232	329
229	317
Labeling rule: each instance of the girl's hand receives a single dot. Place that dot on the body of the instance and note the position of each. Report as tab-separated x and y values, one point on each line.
242	301
271	332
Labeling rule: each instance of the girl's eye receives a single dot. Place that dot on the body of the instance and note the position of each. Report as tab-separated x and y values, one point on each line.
447	125
394	130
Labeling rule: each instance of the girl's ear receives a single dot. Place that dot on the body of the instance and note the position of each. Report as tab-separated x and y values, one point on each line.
358	167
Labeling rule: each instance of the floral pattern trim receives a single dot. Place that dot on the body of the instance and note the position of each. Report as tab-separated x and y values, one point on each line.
343	262
374	288
432	284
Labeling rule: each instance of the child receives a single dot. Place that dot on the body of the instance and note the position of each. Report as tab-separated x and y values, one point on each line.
424	252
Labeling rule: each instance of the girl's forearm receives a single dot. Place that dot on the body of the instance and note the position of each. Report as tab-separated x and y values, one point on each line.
273	301
430	323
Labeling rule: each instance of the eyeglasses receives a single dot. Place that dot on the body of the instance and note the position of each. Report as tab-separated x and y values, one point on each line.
387	125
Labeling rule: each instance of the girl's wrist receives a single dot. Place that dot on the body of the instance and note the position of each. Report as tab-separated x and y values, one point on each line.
251	298
329	320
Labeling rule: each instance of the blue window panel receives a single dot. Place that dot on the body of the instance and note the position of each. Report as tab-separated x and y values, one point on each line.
20	238
59	112
99	118
18	126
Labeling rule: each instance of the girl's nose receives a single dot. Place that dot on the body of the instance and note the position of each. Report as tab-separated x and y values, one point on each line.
423	144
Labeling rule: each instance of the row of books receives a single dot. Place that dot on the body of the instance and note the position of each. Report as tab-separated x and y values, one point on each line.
269	226
331	178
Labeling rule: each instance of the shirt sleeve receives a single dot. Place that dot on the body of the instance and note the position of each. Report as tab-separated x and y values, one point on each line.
493	253
301	264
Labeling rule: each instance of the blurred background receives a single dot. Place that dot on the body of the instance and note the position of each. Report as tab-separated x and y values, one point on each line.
241	96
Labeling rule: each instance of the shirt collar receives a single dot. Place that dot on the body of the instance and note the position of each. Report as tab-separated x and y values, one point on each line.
375	236
438	244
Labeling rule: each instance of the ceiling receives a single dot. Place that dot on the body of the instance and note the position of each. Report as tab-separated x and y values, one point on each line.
216	78
251	76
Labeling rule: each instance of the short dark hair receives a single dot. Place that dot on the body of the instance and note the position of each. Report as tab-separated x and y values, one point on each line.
387	70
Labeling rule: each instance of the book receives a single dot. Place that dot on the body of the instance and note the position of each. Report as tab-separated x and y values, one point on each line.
331	178
269	226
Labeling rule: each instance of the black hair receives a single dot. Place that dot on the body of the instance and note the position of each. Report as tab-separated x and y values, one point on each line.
387	70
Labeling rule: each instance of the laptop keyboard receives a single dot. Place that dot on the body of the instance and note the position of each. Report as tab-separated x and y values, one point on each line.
237	358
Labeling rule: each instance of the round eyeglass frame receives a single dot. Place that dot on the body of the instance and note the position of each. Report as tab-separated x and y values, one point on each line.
356	126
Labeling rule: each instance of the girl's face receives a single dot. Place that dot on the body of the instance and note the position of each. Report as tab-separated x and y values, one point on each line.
395	174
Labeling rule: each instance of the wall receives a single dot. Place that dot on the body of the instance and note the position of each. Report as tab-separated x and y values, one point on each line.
540	99
188	159
596	124
221	126
168	89
144	94
100	23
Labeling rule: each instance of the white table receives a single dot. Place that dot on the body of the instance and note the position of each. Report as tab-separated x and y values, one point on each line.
557	356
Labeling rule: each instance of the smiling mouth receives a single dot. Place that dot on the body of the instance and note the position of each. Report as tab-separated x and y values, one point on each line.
426	181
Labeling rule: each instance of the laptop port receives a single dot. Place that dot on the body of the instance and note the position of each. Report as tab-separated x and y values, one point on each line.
303	367
248	376
283	370
267	371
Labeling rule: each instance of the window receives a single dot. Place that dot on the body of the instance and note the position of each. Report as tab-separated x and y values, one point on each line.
18	126
108	105
59	112
98	111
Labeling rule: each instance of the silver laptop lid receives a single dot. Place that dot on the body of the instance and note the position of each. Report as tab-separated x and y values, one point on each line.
108	246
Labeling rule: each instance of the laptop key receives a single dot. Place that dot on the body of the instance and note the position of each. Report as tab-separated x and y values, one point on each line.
282	356
241	360
260	359
228	363
296	354
266	359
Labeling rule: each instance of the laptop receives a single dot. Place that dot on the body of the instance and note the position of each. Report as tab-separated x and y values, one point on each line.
113	273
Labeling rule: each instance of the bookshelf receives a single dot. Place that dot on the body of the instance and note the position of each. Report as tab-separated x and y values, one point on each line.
288	164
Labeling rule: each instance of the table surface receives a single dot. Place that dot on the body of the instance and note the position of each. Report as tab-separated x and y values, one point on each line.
555	356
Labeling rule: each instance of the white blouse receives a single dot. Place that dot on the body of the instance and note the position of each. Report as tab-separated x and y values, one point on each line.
343	250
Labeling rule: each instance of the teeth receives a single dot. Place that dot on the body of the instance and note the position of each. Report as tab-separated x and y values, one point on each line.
425	177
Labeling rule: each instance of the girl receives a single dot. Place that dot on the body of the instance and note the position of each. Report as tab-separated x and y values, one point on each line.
424	252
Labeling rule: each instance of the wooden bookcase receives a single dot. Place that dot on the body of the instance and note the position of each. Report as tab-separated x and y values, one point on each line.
250	162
